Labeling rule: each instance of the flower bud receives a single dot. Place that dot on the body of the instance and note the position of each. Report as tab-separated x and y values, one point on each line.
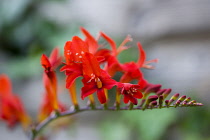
180	100
166	93
173	98
161	91
152	104
184	103
167	103
191	103
150	99
152	88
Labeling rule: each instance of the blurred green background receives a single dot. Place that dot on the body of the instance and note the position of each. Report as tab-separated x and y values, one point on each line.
176	32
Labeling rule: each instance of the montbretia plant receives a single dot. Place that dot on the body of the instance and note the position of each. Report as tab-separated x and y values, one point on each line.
96	65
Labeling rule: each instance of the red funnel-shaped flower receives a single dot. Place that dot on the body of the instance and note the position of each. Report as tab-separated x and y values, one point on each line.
11	107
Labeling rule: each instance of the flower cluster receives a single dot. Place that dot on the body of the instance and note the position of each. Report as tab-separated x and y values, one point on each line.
97	65
11	106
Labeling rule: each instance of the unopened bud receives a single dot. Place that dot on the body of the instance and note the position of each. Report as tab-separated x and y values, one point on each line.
166	93
184	103
167	103
173	98
152	104
180	100
161	91
152	88
191	103
150	99
198	104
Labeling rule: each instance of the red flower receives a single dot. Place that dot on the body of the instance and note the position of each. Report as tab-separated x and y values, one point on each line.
113	64
131	92
142	58
82	63
132	70
95	79
76	60
74	54
97	84
11	107
51	63
50	80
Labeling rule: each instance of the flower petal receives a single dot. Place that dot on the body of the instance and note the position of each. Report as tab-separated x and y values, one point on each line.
92	43
142	55
138	94
111	42
67	49
71	78
55	59
6	87
133	100
126	98
101	96
45	62
90	65
88	90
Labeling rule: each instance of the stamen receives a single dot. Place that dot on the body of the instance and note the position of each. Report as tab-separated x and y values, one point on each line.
92	77
99	83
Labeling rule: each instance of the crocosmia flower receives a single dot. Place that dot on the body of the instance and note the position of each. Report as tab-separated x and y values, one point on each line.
97	84
131	92
74	50
74	54
50	102
132	70
95	79
11	107
142	58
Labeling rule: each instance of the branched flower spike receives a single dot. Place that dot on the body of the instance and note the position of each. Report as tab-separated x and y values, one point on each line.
87	58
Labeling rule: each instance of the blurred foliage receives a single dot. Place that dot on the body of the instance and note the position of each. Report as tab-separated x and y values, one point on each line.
25	29
25	34
194	123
